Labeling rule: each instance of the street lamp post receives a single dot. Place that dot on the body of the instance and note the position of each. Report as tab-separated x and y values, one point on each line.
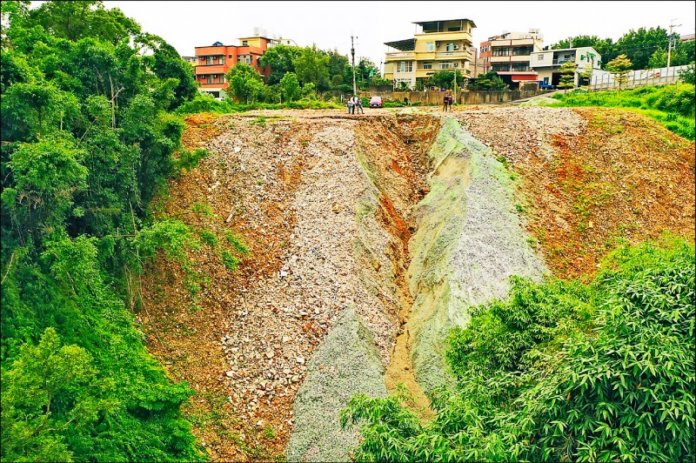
352	55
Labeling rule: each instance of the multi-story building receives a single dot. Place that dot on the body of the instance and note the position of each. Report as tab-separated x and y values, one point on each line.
510	51
214	61
436	45
476	65
508	54
547	63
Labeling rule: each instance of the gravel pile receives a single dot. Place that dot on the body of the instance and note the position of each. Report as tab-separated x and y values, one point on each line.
346	363
519	132
280	320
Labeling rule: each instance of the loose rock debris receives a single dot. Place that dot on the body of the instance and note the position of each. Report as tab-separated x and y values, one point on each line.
324	201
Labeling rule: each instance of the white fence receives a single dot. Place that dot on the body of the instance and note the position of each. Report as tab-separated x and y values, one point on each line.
605	80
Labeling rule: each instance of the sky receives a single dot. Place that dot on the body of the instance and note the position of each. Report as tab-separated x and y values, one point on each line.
329	25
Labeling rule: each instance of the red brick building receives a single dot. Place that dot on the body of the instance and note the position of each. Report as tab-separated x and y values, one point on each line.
213	62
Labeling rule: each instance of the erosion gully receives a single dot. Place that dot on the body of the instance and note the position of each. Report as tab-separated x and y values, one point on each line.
401	165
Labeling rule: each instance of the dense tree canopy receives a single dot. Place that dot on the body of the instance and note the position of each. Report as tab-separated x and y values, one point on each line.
644	47
86	141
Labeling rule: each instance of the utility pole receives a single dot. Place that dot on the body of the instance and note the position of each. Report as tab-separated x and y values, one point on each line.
352	57
669	46
454	85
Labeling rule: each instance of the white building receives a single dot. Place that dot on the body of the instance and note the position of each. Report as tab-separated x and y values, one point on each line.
547	63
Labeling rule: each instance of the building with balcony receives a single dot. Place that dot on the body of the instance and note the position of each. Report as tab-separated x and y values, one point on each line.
213	62
436	46
547	63
508	54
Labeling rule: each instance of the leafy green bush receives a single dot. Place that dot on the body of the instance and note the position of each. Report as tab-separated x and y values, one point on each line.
204	103
562	371
209	104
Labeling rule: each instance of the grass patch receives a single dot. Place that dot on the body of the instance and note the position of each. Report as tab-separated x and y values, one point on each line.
236	243
230	261
670	105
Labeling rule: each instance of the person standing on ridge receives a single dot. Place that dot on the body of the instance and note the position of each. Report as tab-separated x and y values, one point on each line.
351	105
358	104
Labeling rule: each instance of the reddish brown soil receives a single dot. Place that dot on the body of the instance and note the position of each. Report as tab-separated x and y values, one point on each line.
185	333
625	178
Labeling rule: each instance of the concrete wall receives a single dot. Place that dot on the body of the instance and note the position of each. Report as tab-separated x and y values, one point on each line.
604	79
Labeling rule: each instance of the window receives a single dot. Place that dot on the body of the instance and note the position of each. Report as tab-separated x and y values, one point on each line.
520	66
405	66
430	46
210	79
427	65
501	51
540	56
222	78
222	59
208	60
245	43
445	65
450	46
520	51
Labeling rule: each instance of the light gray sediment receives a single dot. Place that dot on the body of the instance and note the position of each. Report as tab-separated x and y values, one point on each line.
469	242
345	363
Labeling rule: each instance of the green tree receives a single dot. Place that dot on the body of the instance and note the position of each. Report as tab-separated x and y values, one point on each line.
78	19
49	389
47	176
280	61
311	66
167	65
86	142
245	83
445	79
366	71
639	45
619	68
487	81
567	72
339	69
687	75
658	59
290	87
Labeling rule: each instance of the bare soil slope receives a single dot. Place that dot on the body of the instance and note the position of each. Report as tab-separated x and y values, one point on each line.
325	203
591	177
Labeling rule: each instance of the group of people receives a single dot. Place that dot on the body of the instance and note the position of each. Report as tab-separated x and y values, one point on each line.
355	103
447	102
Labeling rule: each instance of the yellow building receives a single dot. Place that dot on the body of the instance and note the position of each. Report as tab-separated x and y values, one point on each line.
436	46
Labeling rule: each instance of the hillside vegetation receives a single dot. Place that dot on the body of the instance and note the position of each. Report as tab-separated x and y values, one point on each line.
562	371
671	105
86	142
